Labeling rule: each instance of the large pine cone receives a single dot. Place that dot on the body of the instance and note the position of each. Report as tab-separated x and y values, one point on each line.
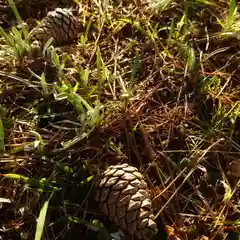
59	24
123	196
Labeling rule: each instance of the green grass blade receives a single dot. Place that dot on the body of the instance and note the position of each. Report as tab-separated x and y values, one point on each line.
161	4
14	176
55	58
2	147
135	67
41	221
88	29
41	184
231	13
180	25
15	11
43	81
99	65
47	45
6	37
191	60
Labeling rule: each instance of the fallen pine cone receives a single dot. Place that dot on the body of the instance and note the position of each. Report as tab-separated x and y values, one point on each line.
59	24
28	9
123	196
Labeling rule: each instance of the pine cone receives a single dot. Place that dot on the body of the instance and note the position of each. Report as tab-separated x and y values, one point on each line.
59	24
29	9
123	196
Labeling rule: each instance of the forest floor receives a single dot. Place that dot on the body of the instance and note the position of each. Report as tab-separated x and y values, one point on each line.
154	84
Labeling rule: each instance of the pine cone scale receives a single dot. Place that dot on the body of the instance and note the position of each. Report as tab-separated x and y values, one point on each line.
113	197
133	205
131	216
104	195
112	211
130	189
121	184
146	204
121	212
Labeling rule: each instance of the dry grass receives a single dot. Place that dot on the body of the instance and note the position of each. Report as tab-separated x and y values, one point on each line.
157	88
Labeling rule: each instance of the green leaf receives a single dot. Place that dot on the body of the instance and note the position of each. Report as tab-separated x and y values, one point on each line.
41	184
55	57
61	96
161	4
99	64
7	38
231	14
41	221
2	147
87	180
191	60
42	79
47	45
88	29
180	25
84	76
15	11
14	176
135	67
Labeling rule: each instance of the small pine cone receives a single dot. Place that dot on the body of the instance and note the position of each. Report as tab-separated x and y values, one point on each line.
123	196
59	24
